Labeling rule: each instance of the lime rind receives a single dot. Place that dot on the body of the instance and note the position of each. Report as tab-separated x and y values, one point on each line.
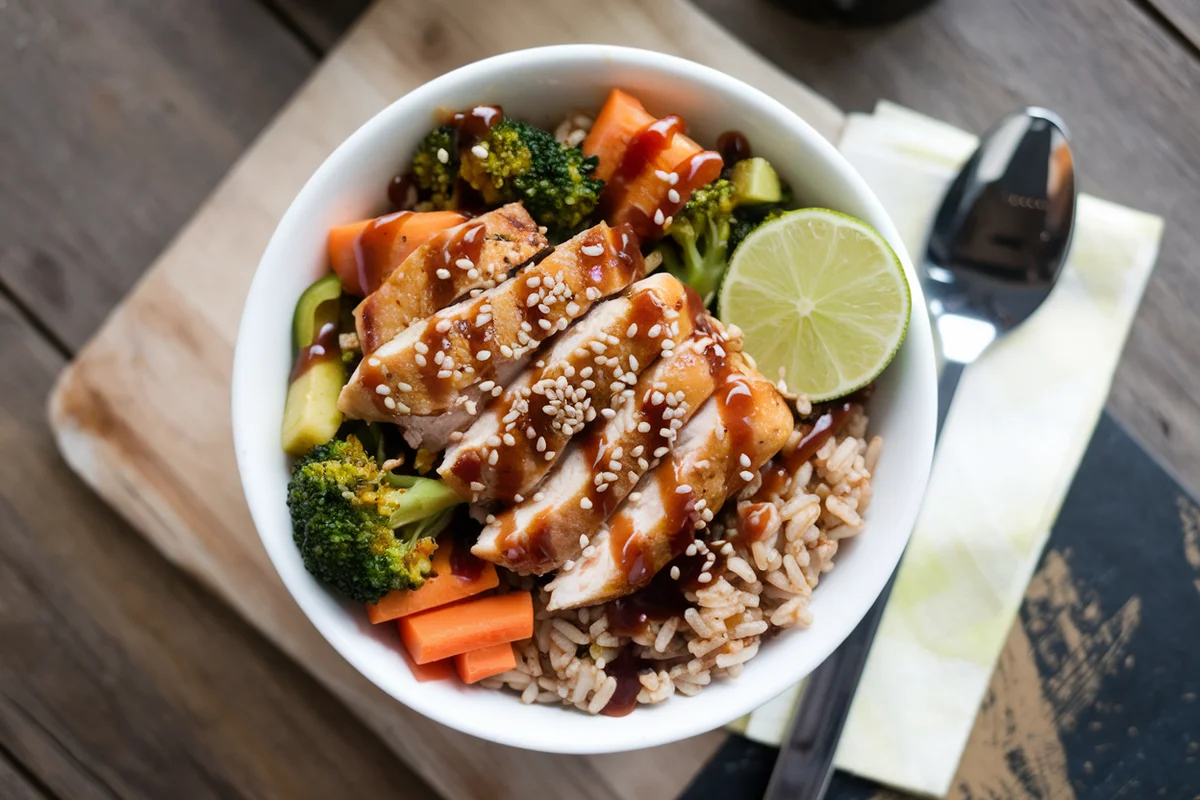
822	299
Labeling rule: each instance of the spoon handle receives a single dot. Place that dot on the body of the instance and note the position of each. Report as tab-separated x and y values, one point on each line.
805	763
947	385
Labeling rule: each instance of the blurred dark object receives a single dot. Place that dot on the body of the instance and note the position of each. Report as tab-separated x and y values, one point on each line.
852	13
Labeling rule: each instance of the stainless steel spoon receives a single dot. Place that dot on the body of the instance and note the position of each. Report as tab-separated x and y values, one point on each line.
995	251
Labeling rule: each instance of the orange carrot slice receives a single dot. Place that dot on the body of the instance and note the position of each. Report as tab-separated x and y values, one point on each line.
470	625
442	588
622	116
475	665
365	253
433	671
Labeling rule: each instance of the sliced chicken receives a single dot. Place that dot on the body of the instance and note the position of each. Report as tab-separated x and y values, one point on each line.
736	431
432	377
579	374
600	468
475	255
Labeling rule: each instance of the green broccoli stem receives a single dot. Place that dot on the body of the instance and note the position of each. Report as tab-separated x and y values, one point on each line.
425	498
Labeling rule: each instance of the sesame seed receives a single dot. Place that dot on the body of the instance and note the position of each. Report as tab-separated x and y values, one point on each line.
667	345
661	174
544	324
683	488
673	178
674	573
390	403
707	515
479	151
635	496
607	413
705	577
572	308
439	358
585	503
482	319
421	348
643	427
483	355
476	486
631	331
654	331
542	229
443	326
691	549
744	460
592	293
444	373
444	274
374	362
506	351
519	498
667	222
673	195
471	407
633	363
549	455
493	457
662	451
509	439
720	351
746	475
592	250
614	464
420	359
456	436
383	389
588	552
443	156
497	390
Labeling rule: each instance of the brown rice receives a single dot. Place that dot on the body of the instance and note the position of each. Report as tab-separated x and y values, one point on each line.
755	591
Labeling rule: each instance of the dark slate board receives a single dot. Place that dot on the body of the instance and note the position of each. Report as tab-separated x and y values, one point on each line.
1112	623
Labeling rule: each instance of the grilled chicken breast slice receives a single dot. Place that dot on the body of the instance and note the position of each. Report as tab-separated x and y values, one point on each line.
579	374
738	429
601	467
449	361
475	255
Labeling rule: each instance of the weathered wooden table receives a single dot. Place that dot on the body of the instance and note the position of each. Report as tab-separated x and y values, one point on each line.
121	677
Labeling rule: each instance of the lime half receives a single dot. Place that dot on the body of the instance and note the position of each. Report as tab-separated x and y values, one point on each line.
822	300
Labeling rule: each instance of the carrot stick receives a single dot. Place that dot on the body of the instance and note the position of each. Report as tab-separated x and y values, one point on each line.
433	671
341	253
447	631
365	253
442	588
622	116
475	665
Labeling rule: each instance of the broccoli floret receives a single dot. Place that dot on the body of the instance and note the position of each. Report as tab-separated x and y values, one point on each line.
431	174
525	163
360	529
697	246
743	224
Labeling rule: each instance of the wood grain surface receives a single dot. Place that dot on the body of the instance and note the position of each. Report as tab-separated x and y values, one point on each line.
118	116
118	675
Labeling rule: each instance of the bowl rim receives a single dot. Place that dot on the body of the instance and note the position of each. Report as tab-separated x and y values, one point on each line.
750	695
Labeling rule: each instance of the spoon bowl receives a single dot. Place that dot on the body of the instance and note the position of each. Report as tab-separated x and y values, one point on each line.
1001	235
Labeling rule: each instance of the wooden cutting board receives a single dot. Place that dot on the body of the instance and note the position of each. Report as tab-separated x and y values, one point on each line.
143	416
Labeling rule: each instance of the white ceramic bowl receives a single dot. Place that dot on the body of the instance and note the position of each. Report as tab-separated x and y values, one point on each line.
539	86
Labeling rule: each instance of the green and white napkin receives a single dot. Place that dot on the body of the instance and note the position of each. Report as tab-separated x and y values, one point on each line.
1013	440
